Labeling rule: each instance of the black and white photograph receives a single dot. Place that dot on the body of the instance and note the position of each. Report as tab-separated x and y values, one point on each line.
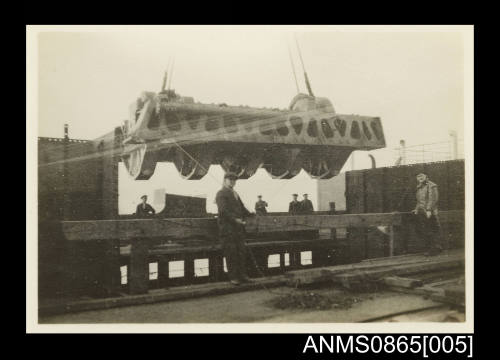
250	178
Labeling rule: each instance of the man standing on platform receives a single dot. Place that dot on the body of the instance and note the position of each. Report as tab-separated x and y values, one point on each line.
144	210
260	206
427	225
306	206
231	221
294	206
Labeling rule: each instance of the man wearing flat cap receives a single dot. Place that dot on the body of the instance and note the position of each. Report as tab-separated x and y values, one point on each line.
231	220
426	211
260	207
306	206
294	206
144	210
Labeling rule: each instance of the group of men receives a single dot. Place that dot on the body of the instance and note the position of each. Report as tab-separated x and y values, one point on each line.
300	207
232	214
294	208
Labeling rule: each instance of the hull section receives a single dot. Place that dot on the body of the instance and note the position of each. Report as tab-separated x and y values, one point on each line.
309	136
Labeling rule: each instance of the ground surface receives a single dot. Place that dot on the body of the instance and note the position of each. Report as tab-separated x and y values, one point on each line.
267	300
252	306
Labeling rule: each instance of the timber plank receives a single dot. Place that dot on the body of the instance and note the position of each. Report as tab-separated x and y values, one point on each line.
133	228
362	272
355	278
393	264
218	247
207	228
308	222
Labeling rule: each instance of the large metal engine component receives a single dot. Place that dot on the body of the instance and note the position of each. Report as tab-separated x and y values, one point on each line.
166	127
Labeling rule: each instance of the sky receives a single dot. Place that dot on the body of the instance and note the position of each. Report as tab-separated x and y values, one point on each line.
412	80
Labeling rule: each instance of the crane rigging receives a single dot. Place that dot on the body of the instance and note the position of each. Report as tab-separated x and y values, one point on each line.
309	135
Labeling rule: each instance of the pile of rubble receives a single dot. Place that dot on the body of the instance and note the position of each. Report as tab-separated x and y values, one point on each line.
313	300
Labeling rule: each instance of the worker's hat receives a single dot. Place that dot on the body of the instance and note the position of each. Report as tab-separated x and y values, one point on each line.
295	195
144	196
231	175
306	194
259	195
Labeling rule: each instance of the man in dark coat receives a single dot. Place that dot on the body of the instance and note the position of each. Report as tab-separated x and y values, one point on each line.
144	210
294	207
426	214
306	206
260	206
231	221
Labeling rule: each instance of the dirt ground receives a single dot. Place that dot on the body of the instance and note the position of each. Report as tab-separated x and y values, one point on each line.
260	306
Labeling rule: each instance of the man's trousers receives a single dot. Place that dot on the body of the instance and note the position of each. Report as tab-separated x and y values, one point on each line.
235	252
428	230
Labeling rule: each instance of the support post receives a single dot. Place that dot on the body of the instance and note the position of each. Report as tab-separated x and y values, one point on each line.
139	266
216	265
282	261
163	275
112	277
333	234
189	267
402	151
66	203
294	259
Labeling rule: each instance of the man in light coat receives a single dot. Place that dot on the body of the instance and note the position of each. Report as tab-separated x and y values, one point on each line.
426	212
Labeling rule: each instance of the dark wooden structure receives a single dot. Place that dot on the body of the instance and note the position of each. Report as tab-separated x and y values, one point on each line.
393	189
180	206
163	241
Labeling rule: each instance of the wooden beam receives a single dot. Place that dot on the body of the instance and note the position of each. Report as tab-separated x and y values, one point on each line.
351	275
207	227
309	222
135	228
449	216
